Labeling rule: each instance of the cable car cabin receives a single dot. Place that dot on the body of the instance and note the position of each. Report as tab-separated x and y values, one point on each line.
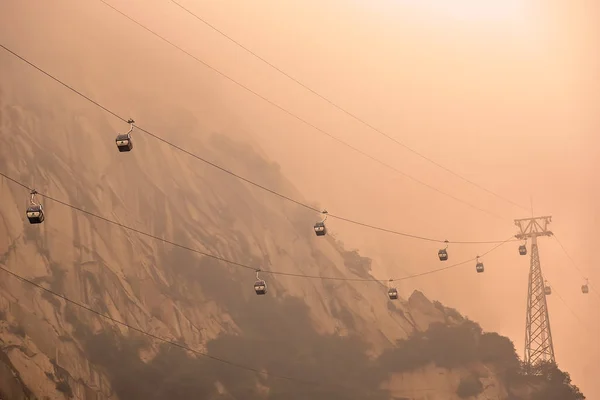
443	255
393	294
523	250
585	289
547	290
124	142
260	287
479	267
320	229
35	214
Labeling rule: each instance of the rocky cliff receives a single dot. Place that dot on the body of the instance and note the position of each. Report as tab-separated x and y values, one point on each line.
332	331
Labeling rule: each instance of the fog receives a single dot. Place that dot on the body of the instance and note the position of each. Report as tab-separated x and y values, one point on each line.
506	96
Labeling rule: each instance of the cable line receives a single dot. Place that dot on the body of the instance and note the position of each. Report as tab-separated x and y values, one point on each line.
229	172
585	288
176	344
433	271
225	260
570	309
353	116
304	121
179	345
164	340
183	346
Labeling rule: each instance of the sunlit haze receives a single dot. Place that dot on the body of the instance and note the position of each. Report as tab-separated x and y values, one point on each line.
504	93
474	11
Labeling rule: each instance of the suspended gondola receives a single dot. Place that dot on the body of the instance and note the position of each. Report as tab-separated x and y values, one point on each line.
547	288
35	211
523	250
443	253
260	286
585	288
392	291
479	266
320	228
124	142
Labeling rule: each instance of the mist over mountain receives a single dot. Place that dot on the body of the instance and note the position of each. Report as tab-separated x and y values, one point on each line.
346	336
186	317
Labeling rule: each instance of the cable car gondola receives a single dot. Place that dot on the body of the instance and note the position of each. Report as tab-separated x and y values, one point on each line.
523	250
320	228
547	288
585	288
392	292
443	253
124	142
35	211
479	266
260	286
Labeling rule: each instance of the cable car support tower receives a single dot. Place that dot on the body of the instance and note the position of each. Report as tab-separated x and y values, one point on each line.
538	337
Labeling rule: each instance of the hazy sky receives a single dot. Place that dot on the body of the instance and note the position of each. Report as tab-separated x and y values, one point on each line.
507	95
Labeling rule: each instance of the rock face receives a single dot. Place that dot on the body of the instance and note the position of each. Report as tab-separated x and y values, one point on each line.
54	349
153	286
11	384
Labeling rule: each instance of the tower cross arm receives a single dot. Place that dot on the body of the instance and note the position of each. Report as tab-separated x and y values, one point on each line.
524	236
530	227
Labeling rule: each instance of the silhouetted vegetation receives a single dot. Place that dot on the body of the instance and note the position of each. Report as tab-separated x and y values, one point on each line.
289	347
279	338
451	346
448	311
557	384
175	374
469	386
326	366
446	346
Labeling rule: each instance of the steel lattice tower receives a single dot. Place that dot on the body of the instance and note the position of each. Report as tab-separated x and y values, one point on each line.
538	336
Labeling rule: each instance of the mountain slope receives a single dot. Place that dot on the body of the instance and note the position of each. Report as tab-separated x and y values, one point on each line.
70	155
335	334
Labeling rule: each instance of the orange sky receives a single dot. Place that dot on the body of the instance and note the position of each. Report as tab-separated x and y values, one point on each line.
509	99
